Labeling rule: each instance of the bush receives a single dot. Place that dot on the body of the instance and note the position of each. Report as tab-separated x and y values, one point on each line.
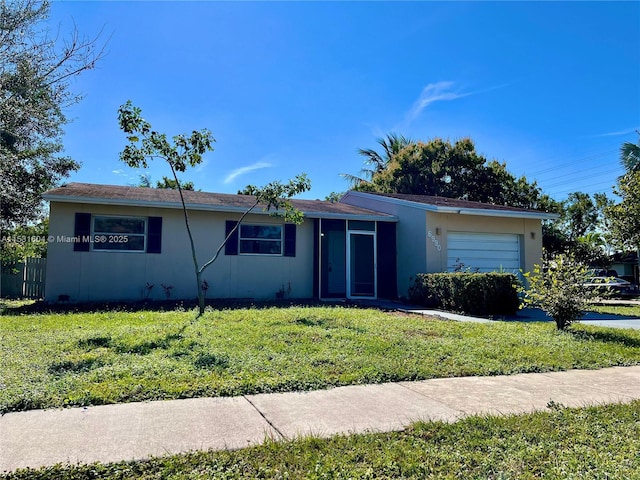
557	287
471	293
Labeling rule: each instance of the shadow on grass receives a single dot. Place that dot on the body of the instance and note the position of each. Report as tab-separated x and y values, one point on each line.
100	341
158	306
43	307
211	361
145	348
75	366
608	336
307	322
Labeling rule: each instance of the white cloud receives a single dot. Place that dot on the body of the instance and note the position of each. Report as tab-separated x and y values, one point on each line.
117	172
241	171
618	133
434	92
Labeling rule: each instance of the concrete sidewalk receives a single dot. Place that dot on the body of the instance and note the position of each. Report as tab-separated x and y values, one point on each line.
112	433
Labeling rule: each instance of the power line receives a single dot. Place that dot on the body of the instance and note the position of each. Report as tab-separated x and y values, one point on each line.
573	162
574	179
568	190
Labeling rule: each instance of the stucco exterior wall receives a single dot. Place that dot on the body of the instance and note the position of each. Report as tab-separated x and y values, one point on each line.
111	275
529	230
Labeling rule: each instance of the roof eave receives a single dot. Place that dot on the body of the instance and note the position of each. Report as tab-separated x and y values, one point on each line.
397	201
352	216
487	212
208	208
509	214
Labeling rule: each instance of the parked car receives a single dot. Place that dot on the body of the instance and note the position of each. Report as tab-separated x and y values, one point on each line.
611	285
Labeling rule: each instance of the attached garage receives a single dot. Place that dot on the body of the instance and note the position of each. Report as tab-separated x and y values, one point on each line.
485	252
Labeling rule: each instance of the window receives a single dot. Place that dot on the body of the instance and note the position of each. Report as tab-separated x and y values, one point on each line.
261	239
119	233
362	225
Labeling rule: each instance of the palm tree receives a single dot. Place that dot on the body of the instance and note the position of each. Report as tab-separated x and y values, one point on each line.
630	155
377	162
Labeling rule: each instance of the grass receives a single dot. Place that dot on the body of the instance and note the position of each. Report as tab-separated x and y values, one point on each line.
626	310
75	359
588	443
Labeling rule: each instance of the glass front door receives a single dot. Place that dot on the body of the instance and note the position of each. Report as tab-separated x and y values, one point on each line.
362	265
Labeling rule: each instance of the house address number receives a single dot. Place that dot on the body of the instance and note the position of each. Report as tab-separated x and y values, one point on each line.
435	241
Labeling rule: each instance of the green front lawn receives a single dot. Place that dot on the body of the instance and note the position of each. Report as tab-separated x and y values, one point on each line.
589	443
55	360
626	310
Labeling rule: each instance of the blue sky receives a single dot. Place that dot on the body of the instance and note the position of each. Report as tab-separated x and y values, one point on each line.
550	88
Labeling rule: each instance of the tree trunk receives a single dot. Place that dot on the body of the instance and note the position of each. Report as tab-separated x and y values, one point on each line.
201	303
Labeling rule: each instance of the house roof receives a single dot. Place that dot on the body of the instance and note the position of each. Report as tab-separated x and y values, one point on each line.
454	205
223	202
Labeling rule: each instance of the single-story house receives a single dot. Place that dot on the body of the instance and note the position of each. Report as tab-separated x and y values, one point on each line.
437	234
130	243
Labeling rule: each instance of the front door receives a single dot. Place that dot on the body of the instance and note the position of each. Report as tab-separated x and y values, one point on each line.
362	265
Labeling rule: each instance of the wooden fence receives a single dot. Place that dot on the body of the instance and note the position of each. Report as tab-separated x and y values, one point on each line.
24	280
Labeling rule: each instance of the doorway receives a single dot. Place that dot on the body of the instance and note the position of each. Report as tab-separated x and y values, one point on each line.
348	259
362	265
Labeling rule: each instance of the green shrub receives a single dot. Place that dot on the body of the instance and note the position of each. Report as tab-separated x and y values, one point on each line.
471	293
558	288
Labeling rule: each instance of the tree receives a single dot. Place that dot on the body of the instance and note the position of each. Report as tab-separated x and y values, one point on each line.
630	155
582	229
451	170
624	217
579	215
35	71
187	150
501	187
590	249
334	197
24	241
557	287
166	182
173	184
145	181
376	162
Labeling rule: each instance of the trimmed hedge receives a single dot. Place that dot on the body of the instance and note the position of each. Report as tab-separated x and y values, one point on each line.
471	293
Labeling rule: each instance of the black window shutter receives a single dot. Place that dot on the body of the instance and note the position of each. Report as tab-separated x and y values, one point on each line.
154	235
82	232
316	258
289	240
231	248
387	270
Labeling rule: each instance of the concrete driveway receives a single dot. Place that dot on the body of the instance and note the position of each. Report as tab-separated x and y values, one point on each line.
591	318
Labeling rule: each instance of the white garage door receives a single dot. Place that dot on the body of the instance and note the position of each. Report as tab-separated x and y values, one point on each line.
484	252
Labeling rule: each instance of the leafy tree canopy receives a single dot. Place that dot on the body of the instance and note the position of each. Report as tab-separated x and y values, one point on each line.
24	241
456	170
579	215
582	229
630	155
170	183
376	162
166	182
35	71
624	217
